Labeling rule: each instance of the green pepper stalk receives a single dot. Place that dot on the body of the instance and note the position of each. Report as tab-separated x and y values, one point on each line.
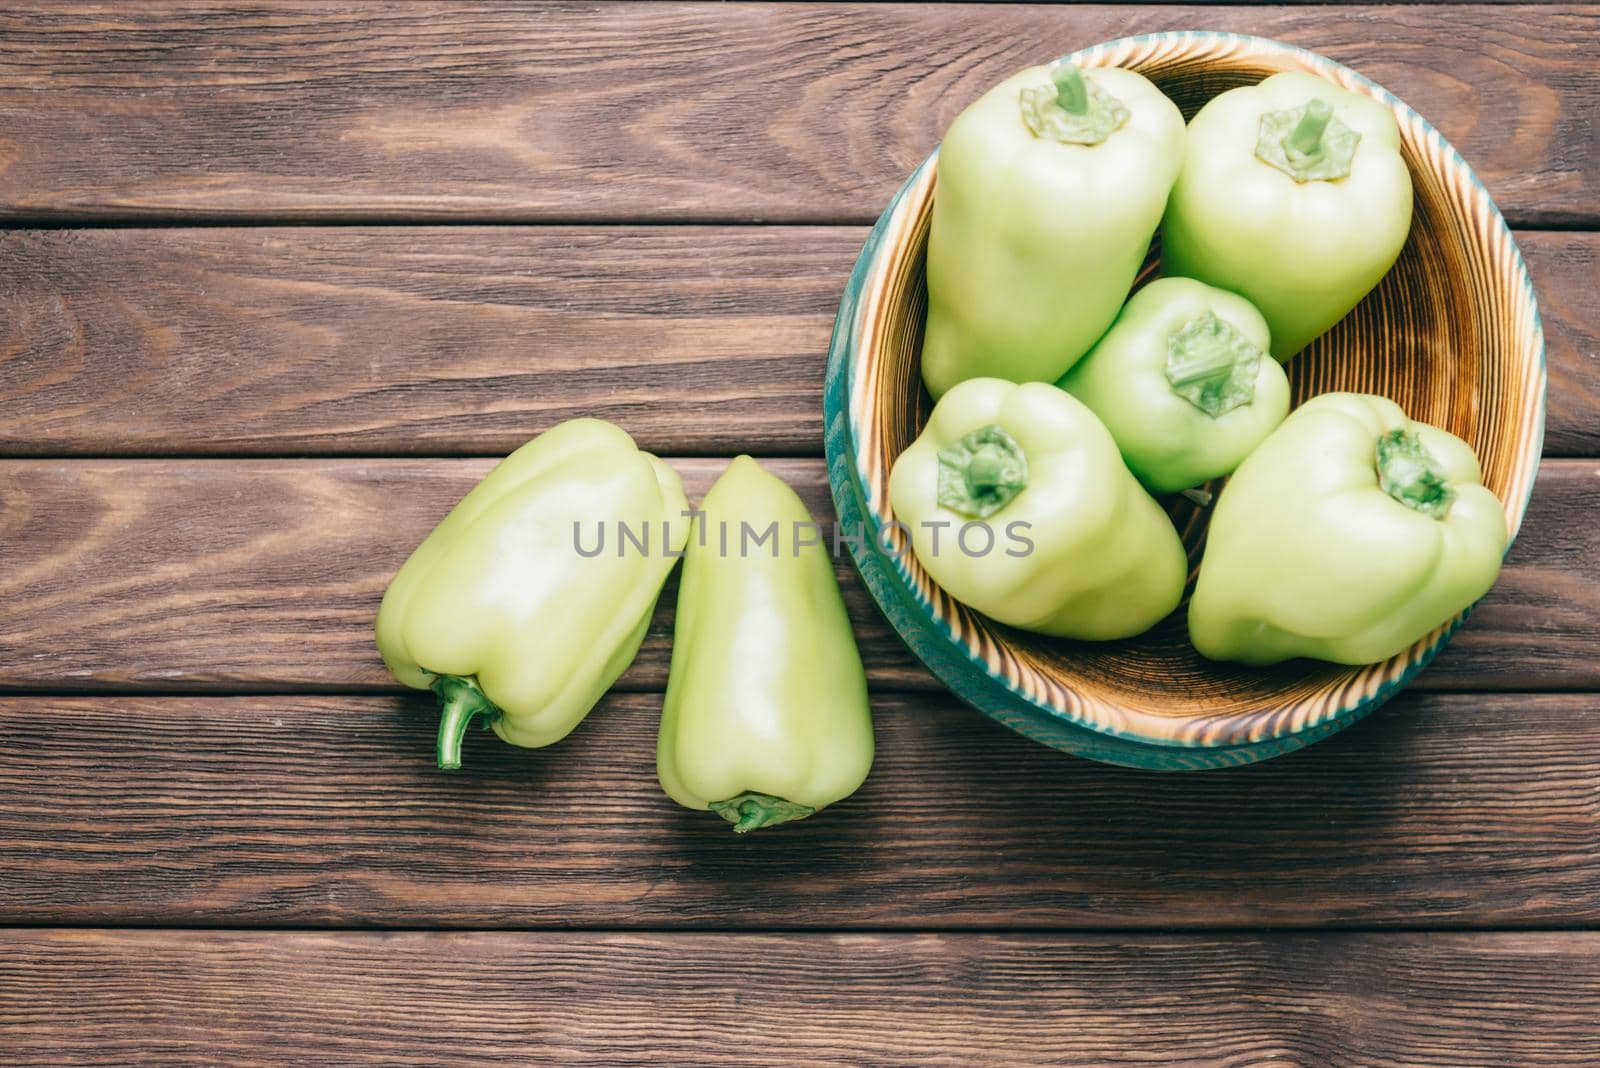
765	719
1306	138
1072	93
1410	474
460	702
1308	143
981	473
1212	365
1071	109
470	613
751	812
1349	534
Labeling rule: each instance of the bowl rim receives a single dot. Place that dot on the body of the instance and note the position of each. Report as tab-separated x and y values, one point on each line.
849	475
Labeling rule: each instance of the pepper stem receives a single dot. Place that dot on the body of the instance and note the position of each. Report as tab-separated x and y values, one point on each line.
1070	108
987	468
981	473
1408	472
751	812
1071	93
1308	143
1204	367
1212	365
460	701
1306	137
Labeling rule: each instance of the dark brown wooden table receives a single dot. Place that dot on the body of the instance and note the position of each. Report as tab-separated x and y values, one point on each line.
279	281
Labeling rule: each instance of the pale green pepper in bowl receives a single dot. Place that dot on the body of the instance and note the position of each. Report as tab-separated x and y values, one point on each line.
1293	194
1183	382
1049	189
1018	504
1347	536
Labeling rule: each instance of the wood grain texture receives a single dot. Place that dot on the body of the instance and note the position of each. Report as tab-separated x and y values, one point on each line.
456	340
1441	810
308	809
98	997
1564	267
415	340
182	574
662	111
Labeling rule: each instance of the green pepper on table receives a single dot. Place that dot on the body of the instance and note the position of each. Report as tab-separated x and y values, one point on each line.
1019	505
1183	383
1293	194
765	718
514	610
1049	189
1350	533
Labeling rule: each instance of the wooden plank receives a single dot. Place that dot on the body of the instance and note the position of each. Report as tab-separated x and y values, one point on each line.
415	340
253	573
81	997
1564	268
583	112
1443	810
181	574
447	340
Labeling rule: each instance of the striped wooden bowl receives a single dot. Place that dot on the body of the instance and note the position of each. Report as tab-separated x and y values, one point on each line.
1452	335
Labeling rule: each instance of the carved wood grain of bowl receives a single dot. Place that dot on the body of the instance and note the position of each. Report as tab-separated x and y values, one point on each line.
1452	334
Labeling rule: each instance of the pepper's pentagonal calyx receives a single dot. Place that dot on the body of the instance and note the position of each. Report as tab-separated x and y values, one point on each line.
981	473
751	812
1410	474
1212	365
1308	143
1072	109
460	702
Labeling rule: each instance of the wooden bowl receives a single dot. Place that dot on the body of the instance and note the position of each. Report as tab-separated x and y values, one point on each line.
1452	334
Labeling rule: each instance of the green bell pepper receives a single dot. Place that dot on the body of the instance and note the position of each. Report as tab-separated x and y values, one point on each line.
1183	382
765	719
514	608
1348	535
1018	504
1049	189
1294	194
